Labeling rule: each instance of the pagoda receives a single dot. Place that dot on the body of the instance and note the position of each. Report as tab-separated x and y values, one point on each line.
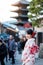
22	11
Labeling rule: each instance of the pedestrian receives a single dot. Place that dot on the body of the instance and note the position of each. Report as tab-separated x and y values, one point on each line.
23	41
11	48
6	43
2	52
21	44
30	49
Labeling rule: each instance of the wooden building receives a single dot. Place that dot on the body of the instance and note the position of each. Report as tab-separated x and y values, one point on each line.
22	11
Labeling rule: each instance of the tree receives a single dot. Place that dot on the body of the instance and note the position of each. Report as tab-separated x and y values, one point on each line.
35	8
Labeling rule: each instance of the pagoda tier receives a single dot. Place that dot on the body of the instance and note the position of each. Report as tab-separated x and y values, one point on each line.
20	10
21	15
21	18
22	3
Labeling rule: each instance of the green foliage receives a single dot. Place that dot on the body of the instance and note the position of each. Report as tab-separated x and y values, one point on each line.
34	23
35	7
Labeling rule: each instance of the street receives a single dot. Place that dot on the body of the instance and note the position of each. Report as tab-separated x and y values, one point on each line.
18	60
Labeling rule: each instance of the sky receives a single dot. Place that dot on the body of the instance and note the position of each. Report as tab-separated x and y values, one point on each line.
5	8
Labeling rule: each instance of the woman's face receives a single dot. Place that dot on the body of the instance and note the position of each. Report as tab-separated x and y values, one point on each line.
11	37
28	36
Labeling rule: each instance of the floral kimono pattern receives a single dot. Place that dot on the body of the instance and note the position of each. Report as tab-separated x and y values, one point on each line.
28	54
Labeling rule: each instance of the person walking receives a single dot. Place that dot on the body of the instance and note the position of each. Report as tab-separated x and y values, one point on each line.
3	51
11	48
30	49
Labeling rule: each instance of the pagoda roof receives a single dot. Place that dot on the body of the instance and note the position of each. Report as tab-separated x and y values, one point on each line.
20	16
22	22
20	10
21	3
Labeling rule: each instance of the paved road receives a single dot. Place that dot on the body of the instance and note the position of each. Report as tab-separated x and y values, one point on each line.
18	61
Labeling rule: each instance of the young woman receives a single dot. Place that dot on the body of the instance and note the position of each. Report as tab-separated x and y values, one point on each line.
30	49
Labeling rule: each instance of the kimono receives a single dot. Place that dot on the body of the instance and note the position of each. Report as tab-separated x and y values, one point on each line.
28	54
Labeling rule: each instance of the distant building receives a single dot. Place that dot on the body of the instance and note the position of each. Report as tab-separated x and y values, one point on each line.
22	11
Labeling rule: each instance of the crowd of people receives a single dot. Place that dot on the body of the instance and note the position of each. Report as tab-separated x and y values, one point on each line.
27	46
7	48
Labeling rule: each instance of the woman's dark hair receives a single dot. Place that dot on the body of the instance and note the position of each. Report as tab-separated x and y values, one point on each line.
30	31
